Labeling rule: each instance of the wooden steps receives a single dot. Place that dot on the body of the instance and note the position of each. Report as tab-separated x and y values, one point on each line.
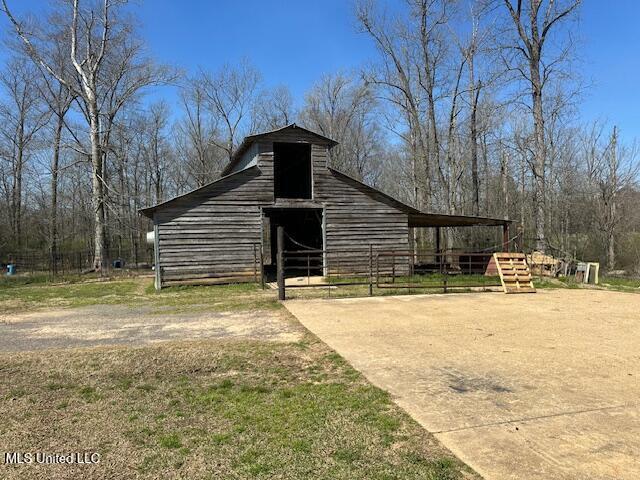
514	272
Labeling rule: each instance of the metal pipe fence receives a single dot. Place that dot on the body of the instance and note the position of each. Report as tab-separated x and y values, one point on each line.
369	271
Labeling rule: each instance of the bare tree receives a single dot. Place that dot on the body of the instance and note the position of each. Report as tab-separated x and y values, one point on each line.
273	108
194	135
91	32
21	118
344	109
59	98
230	94
533	25
612	169
107	73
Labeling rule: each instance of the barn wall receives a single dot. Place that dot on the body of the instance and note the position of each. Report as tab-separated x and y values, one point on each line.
248	159
355	215
212	232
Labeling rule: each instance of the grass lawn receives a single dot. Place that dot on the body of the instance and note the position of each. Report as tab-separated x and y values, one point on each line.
619	284
20	294
210	409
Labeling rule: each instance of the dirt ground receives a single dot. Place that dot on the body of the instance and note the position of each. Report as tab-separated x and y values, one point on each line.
541	386
113	325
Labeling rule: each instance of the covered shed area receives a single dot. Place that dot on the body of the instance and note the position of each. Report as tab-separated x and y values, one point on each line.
419	219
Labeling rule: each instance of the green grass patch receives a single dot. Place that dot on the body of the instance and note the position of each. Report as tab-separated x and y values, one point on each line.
214	409
619	284
623	284
23	295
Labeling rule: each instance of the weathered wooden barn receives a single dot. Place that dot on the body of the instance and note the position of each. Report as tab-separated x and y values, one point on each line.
280	178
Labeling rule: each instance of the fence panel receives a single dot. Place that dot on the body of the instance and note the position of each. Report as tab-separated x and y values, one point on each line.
370	271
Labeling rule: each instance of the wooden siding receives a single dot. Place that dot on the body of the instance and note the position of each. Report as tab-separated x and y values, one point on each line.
212	232
355	218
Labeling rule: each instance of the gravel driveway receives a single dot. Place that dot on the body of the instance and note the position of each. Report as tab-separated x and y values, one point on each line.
113	324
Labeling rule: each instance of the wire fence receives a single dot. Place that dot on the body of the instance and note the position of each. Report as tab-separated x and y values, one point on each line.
74	262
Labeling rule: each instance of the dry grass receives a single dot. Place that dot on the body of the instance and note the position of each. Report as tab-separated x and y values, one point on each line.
210	409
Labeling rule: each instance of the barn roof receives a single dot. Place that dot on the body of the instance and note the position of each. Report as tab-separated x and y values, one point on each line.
250	139
148	211
417	218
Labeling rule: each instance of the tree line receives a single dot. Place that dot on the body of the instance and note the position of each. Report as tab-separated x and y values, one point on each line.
469	107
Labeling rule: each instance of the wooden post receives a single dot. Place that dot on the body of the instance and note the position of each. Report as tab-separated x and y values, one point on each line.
255	263
393	266
370	270
520	239
505	237
438	252
156	252
280	262
261	267
446	273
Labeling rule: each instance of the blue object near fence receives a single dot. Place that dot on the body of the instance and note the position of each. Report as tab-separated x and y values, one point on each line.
11	269
118	263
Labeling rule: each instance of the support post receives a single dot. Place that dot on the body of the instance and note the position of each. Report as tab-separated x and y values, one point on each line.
156	253
370	270
438	251
446	279
280	262
393	266
261	266
505	237
255	263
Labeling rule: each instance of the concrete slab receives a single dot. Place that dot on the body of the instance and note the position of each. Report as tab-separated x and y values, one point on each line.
518	386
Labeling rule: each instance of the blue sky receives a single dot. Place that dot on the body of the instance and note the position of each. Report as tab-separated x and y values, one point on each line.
294	42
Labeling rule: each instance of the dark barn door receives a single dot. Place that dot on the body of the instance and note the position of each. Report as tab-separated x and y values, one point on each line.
303	231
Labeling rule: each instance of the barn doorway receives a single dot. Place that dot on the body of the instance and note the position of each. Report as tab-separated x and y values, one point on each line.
303	231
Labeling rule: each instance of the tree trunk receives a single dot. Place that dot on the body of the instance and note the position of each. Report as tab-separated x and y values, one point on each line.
611	251
97	190
613	187
53	225
473	139
504	163
16	194
540	154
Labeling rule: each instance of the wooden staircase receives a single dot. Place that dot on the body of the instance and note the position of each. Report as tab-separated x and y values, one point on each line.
514	272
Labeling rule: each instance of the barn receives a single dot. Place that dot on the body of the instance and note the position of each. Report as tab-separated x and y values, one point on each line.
226	230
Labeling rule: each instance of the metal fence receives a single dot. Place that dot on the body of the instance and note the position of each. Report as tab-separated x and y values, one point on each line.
74	262
376	271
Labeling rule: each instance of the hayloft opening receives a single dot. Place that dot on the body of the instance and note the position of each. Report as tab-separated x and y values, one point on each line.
292	170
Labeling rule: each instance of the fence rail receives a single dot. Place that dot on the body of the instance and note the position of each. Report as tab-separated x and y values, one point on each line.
381	271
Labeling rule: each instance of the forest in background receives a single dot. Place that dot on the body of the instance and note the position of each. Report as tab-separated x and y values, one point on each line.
469	107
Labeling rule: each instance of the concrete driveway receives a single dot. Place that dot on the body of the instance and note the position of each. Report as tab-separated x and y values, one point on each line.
543	386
